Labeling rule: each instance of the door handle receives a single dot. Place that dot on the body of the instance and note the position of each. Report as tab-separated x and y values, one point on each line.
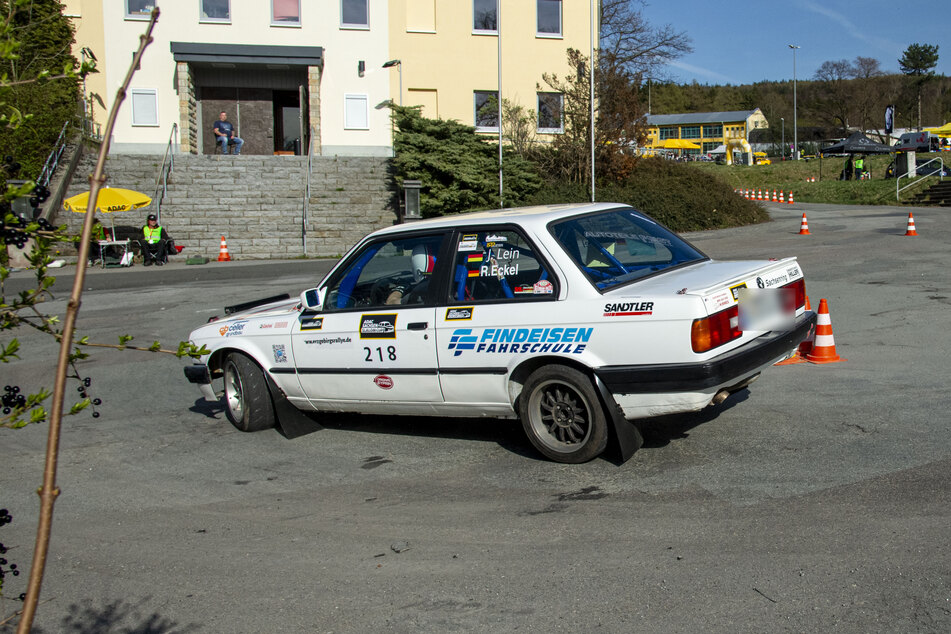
418	325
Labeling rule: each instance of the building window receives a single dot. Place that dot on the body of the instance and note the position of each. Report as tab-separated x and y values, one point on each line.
485	16
690	132
549	18
550	109
285	12
215	11
710	146
355	112
710	131
354	14
144	106
486	111
141	9
668	133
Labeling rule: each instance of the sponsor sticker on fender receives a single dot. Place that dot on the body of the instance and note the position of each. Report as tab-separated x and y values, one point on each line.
280	354
629	309
233	330
383	382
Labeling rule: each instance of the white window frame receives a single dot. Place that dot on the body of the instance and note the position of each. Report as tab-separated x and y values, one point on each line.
205	20
494	31
294	25
561	21
475	111
140	92
355	26
355	97
538	104
138	16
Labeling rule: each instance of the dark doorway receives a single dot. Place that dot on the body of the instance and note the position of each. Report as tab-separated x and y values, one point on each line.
287	129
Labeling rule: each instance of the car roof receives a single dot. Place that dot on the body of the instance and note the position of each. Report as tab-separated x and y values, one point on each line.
538	215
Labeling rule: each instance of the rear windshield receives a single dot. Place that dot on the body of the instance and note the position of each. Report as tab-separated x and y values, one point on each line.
616	247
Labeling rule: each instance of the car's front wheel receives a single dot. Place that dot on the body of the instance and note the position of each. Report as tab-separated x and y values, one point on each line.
247	399
562	416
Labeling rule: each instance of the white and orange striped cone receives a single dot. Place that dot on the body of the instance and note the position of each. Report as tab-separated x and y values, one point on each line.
790	198
782	199
223	255
804	226
823	348
774	196
799	356
910	231
759	195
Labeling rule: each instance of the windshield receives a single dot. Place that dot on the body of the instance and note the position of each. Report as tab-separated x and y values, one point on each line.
620	246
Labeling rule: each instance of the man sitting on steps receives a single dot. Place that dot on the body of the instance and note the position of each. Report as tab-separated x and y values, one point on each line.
226	135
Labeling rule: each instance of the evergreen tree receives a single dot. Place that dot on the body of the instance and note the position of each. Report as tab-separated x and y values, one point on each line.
459	169
40	91
918	61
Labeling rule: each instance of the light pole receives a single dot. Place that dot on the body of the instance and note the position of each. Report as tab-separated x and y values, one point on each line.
795	122
399	67
783	121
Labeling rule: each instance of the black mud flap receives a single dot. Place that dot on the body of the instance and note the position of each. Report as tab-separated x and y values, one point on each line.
291	422
627	437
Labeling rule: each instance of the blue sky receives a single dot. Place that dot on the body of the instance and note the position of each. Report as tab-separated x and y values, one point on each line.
741	42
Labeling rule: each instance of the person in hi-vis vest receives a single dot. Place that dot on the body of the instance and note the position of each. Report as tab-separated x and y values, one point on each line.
155	243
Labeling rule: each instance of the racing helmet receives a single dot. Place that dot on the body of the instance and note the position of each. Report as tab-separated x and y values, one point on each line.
423	261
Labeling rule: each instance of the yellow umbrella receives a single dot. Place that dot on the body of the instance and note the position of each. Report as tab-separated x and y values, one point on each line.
110	199
944	130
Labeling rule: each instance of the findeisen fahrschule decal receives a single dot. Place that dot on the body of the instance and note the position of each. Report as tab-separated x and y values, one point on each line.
378	326
629	309
519	340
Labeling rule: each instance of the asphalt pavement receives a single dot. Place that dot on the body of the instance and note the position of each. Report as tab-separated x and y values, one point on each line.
816	500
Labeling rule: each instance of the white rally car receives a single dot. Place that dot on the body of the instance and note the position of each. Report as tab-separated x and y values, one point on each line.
576	319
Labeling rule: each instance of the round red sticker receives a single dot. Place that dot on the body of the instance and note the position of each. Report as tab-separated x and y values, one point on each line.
383	382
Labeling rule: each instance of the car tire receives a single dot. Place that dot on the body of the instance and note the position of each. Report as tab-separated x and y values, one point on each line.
246	397
562	415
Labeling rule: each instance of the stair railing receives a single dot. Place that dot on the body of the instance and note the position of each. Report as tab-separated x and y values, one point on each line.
168	164
52	161
940	175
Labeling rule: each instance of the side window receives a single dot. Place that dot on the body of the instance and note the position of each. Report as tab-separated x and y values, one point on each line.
386	273
498	266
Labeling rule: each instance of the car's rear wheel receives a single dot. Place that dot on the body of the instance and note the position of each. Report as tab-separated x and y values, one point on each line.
562	416
247	399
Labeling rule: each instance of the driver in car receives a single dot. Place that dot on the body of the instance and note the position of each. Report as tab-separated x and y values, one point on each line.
423	263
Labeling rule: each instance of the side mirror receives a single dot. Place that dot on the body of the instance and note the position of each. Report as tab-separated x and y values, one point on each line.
312	299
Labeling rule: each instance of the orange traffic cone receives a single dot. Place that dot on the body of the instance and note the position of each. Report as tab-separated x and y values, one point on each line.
790	198
223	255
804	227
759	195
782	199
911	226
823	350
774	196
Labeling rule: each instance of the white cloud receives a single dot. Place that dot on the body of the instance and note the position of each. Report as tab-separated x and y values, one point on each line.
853	30
703	72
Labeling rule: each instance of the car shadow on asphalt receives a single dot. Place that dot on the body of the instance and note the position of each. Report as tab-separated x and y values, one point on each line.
660	430
209	409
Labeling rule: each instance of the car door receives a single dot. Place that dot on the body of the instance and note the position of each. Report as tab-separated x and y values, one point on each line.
372	346
499	308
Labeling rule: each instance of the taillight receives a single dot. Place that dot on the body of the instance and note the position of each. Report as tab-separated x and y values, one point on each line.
798	295
715	330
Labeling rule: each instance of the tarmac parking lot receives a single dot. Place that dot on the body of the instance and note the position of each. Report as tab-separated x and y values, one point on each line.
817	500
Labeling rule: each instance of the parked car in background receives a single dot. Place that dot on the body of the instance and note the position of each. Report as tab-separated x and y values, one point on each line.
760	158
575	319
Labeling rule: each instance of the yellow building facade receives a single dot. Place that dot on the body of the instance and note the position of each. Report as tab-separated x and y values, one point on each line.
448	56
706	129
